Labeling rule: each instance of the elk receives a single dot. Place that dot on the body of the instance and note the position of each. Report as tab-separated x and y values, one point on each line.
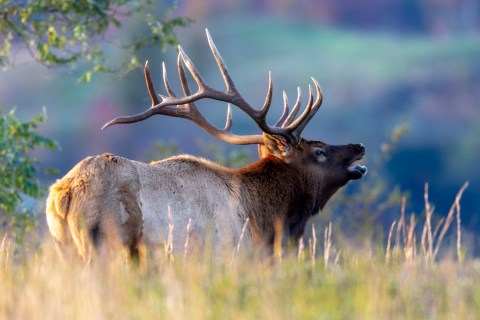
291	182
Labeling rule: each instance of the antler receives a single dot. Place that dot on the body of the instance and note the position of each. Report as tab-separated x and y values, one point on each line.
184	107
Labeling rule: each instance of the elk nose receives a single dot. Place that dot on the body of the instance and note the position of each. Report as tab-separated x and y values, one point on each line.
359	147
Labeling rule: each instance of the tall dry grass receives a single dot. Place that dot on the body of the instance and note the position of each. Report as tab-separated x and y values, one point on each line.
316	280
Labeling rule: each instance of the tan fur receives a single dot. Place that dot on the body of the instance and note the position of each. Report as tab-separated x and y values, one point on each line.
83	198
58	202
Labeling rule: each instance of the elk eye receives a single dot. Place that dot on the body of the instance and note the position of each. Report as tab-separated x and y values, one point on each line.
320	153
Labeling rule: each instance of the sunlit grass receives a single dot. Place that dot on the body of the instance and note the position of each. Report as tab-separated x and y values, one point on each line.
325	283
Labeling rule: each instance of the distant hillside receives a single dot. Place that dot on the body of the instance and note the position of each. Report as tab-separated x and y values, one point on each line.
408	16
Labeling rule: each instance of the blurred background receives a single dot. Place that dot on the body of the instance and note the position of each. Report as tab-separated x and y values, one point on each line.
402	77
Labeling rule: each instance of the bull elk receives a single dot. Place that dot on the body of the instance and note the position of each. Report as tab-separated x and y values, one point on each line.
291	182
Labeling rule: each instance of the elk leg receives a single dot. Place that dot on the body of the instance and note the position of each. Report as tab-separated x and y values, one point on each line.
132	228
80	236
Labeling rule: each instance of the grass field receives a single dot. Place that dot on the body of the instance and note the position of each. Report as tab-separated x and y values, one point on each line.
358	286
406	280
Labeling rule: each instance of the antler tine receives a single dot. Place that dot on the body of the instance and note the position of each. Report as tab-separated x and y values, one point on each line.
146	114
295	109
313	109
221	64
293	126
130	119
165	81
193	70
182	77
285	112
259	116
232	95
150	86
268	98
228	124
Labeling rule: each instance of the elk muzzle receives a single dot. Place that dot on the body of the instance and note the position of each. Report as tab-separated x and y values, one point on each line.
355	170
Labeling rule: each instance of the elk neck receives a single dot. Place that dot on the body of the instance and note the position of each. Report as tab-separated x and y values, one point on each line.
275	191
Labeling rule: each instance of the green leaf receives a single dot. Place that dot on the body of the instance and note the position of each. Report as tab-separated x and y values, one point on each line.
66	32
18	168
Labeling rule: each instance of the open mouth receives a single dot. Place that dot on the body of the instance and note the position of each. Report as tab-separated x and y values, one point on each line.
358	168
355	170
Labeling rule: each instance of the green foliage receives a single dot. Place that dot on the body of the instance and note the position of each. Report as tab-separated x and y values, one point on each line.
63	32
18	167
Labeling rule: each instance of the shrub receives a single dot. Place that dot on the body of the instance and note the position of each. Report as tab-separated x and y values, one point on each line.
19	167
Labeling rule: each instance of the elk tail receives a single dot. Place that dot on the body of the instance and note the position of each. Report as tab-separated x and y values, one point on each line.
58	204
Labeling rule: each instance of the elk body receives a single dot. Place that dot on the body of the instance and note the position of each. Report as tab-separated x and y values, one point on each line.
291	182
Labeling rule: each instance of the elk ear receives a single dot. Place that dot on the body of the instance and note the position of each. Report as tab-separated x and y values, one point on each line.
276	146
262	151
